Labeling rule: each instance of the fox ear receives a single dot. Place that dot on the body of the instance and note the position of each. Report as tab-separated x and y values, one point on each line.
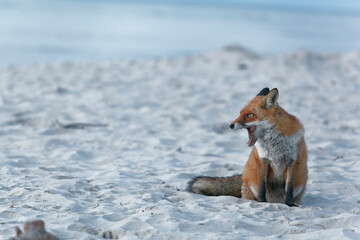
271	99
264	92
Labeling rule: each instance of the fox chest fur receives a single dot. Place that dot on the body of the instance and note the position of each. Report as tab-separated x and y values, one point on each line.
277	150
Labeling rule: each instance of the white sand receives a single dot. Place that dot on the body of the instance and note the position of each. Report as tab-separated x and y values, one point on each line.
168	122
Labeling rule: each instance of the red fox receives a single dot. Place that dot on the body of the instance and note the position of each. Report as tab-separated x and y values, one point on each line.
276	170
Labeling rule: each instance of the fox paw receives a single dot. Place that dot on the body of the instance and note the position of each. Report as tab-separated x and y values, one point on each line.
292	204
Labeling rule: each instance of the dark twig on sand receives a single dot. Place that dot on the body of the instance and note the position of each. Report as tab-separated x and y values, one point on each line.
80	125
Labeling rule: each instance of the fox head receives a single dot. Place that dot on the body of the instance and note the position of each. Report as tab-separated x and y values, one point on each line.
258	115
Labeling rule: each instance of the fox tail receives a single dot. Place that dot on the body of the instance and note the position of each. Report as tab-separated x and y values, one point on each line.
216	186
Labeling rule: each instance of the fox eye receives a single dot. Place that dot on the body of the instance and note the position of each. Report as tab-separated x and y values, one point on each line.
249	115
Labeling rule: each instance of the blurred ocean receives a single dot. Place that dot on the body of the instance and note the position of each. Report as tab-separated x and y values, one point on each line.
80	30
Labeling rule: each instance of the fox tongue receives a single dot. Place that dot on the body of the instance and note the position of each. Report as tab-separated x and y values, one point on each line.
251	131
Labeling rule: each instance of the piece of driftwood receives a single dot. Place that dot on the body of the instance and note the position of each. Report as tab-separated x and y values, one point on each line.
34	230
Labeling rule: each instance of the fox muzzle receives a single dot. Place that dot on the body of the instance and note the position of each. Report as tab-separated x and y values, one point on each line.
236	126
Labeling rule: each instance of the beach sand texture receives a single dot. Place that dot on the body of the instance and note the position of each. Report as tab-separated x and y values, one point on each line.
162	122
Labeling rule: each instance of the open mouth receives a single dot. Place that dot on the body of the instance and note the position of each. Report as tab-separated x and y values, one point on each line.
252	140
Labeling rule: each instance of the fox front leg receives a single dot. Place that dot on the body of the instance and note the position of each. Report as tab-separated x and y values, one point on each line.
262	182
289	185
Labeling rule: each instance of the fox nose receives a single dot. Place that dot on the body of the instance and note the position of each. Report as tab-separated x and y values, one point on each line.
232	126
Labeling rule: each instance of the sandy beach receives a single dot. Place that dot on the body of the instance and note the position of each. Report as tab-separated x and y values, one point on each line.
105	149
